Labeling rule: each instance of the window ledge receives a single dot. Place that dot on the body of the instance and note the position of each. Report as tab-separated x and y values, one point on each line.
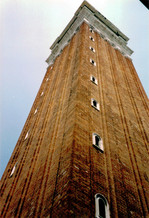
97	148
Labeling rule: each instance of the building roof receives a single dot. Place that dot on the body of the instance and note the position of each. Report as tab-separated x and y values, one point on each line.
98	15
101	24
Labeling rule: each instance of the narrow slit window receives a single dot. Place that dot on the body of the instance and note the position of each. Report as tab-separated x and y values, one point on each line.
13	170
92	49
35	111
92	62
26	136
101	207
91	38
42	93
95	104
93	79
97	142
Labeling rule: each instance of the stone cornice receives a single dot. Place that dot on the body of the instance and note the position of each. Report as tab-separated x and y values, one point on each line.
101	25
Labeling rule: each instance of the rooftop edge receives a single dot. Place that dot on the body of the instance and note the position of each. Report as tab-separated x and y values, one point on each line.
98	15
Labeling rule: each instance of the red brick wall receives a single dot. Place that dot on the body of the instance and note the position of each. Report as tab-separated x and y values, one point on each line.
59	171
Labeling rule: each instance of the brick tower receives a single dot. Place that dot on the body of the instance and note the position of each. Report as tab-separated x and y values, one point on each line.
83	151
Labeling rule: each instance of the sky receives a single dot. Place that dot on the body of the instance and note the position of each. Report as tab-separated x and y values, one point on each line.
28	29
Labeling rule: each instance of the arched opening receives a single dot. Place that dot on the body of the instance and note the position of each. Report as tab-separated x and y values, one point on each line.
101	207
102	211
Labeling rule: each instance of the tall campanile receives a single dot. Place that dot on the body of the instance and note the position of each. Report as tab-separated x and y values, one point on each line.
83	151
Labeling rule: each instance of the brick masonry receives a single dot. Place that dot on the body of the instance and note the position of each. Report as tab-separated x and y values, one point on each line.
58	170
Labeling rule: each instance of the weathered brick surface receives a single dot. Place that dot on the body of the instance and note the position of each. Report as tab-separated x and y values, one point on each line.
59	171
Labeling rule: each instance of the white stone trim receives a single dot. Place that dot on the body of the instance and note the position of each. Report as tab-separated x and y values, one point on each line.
127	56
98	22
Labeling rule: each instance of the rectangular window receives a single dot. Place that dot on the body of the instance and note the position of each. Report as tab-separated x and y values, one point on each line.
92	62
97	142
95	104
91	30
91	38
92	49
93	79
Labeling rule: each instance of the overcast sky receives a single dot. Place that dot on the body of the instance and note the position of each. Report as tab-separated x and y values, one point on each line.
27	30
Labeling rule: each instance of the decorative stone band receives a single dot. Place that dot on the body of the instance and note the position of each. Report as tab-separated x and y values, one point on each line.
101	25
